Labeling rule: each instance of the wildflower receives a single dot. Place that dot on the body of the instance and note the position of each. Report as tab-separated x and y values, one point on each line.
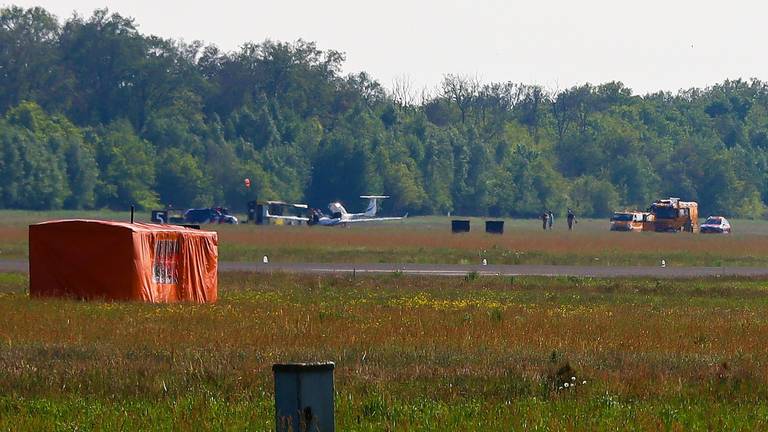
560	388
573	378
566	385
584	382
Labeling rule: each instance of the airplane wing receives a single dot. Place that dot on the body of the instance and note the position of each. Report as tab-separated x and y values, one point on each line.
373	219
290	218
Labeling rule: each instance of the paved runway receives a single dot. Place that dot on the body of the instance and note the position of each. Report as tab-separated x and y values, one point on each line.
502	270
461	270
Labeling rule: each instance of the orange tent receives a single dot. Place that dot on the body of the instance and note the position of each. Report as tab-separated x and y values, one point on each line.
91	259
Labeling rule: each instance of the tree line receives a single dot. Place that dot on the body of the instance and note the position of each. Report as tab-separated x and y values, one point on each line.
95	114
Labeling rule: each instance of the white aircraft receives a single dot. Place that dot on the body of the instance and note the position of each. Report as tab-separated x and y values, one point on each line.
280	206
340	216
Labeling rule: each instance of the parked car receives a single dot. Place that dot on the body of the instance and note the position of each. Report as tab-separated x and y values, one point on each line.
716	225
217	215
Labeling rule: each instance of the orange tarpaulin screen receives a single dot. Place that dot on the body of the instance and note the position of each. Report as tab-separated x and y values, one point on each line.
90	259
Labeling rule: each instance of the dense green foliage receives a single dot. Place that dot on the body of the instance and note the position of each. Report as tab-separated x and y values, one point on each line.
95	114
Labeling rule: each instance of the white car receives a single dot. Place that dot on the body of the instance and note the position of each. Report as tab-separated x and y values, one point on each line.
716	225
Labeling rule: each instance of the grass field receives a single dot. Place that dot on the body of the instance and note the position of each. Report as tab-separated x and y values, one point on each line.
412	354
428	240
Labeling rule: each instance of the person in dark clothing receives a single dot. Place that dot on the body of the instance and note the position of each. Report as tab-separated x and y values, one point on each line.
544	219
571	219
551	218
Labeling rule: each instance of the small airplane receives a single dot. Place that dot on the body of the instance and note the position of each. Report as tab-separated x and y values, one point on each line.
280	206
340	216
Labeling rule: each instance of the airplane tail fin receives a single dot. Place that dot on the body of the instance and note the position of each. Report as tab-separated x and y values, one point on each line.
373	204
373	207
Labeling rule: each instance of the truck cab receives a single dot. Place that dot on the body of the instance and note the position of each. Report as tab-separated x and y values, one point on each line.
674	215
631	221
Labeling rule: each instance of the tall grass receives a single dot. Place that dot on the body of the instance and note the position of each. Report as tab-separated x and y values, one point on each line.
412	353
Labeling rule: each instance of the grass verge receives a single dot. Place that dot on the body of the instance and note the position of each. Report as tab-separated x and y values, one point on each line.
412	353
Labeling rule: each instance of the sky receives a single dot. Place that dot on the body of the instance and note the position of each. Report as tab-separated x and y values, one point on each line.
649	45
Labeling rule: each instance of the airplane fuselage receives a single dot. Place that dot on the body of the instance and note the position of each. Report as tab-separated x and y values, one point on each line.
340	216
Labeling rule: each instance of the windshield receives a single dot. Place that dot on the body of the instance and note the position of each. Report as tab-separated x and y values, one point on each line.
665	212
714	221
622	217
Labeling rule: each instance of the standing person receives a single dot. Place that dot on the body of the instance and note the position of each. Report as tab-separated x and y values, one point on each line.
551	217
571	219
544	219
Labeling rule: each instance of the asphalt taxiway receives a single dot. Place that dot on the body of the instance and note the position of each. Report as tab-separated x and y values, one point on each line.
461	270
